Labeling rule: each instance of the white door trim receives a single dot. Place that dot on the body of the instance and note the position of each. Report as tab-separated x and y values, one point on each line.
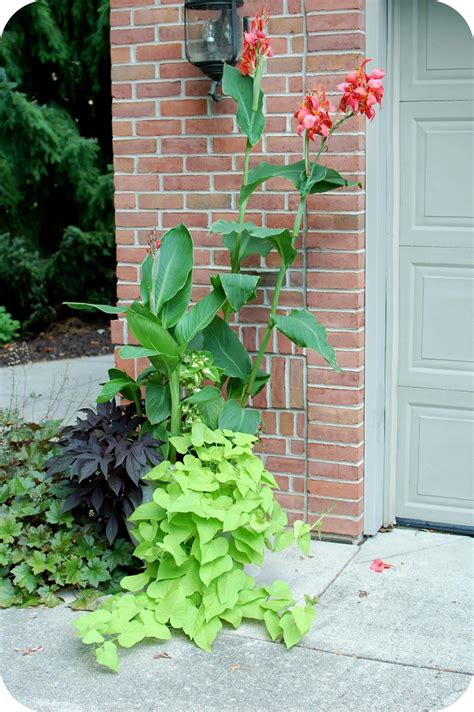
381	275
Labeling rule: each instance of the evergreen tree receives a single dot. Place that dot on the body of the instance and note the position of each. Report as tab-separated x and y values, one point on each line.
56	184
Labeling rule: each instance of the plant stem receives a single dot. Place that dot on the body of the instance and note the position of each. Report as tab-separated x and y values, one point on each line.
266	336
299	218
307	163
243	206
175	423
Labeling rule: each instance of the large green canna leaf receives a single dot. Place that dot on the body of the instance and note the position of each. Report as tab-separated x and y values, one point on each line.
174	265
239	288
227	350
82	306
226	227
240	88
158	402
201	314
316	176
256	239
124	385
303	330
240	420
173	310
294	172
331	181
128	352
282	240
151	335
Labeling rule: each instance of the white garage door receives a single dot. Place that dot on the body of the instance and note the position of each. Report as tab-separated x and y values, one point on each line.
435	448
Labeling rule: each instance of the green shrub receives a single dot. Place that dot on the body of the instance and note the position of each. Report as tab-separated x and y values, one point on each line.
42	548
8	327
56	187
23	288
211	515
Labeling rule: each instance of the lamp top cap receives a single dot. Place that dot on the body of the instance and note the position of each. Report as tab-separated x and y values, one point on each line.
211	4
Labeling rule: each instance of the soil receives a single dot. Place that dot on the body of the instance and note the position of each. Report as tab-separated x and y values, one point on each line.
71	338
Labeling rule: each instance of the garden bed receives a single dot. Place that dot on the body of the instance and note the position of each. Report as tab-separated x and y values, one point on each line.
71	338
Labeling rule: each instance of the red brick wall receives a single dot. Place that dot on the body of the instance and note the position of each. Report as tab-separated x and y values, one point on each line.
178	158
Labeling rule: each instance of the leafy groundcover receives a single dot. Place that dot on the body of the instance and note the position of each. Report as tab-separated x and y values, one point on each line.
42	548
211	515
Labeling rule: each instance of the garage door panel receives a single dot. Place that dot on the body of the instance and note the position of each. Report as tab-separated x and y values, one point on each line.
435	306
437	58
436	436
437	176
436	318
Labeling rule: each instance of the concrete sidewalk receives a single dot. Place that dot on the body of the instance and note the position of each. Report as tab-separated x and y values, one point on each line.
399	641
48	390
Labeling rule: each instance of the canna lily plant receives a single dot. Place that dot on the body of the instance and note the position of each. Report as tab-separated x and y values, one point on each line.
213	510
171	334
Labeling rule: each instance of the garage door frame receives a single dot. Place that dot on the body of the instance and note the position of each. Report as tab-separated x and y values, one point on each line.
382	236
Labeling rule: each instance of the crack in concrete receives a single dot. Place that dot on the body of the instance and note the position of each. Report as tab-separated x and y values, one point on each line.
353	656
412	551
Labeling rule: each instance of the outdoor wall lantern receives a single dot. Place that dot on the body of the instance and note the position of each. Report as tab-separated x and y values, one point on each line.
213	36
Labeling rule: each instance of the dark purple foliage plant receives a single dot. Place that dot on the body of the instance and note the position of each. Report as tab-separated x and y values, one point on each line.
104	456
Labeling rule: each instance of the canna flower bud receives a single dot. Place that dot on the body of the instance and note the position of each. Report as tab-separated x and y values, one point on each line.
256	44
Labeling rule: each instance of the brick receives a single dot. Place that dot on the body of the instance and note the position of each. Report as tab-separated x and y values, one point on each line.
135	219
117	331
316	5
330	433
183	146
155	53
137	183
119	55
121	91
122	128
336	21
296	383
133	71
339	525
125	200
157	127
132	36
354	41
134	108
156	16
207	201
335	470
134	146
347	490
342	416
160	165
158	89
126	274
184	107
120	18
130	3
160	201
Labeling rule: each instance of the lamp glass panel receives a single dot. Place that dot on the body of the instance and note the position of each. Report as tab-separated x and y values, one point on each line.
209	35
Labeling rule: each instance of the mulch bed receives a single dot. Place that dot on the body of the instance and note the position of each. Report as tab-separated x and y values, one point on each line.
71	338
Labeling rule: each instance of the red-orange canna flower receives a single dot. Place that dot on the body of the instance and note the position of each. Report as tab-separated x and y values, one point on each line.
256	44
361	91
313	117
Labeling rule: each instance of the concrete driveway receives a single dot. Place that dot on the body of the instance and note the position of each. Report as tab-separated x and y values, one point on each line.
397	641
53	390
